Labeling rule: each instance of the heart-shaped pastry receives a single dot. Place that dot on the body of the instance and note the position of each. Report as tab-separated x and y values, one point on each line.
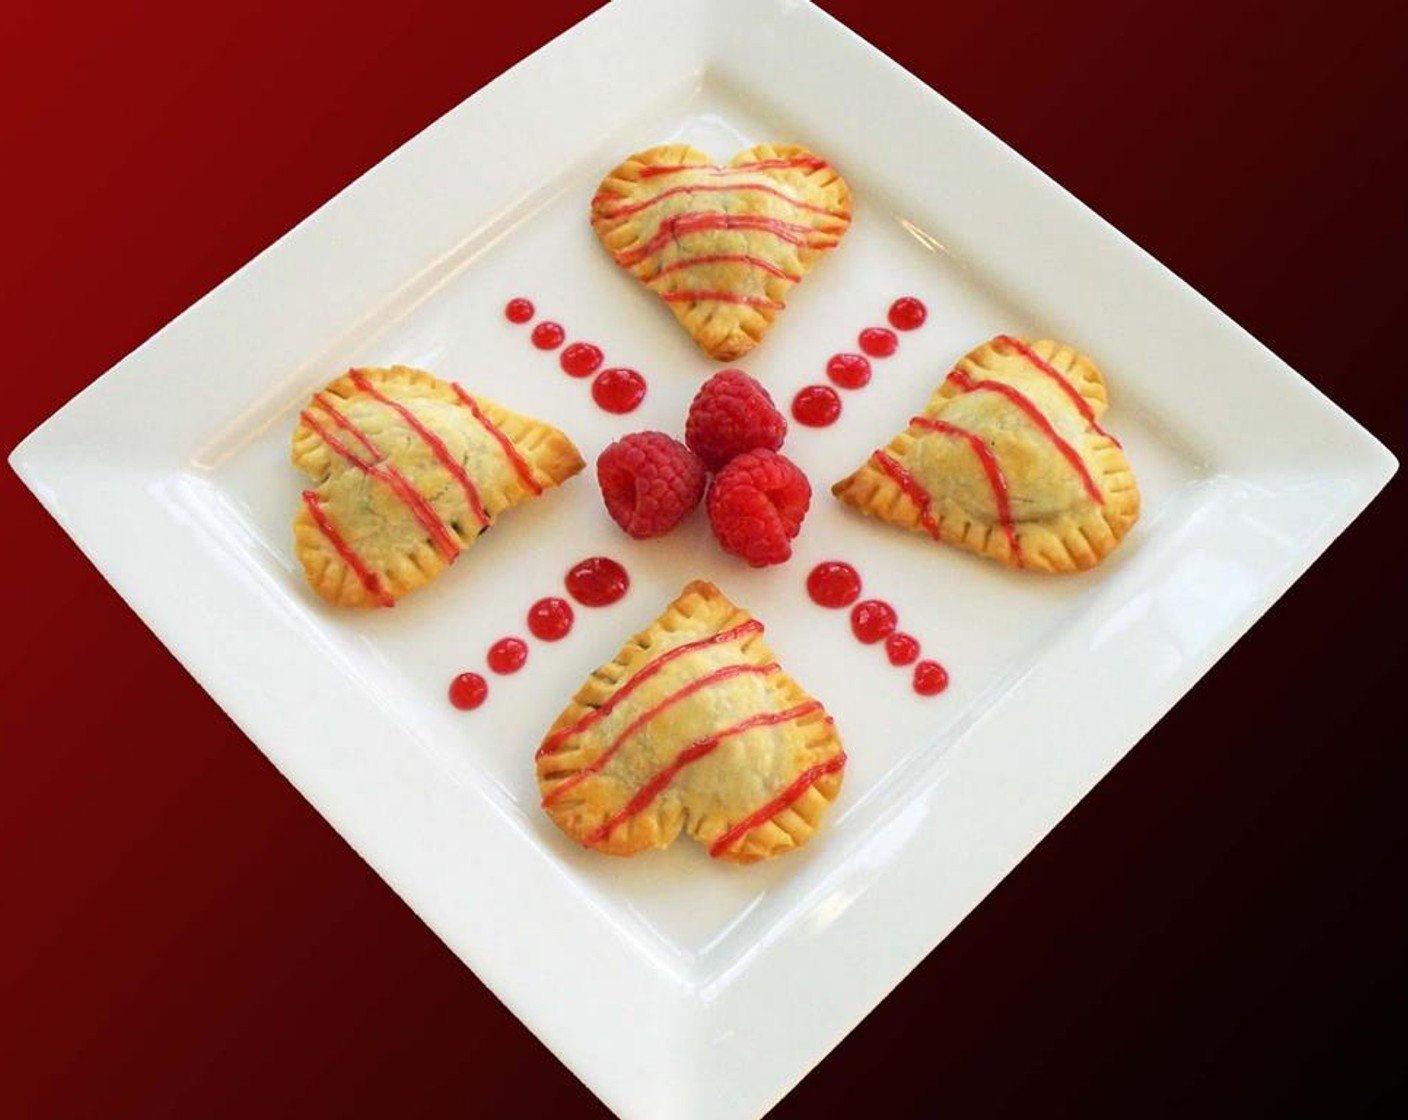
1008	460
693	727
722	246
407	471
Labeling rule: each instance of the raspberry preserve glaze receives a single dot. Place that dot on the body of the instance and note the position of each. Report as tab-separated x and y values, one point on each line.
901	648
930	678
816	406
833	584
581	359
872	620
907	314
550	619
507	655
849	371
878	342
548	335
597	581
518	310
468	691
618	390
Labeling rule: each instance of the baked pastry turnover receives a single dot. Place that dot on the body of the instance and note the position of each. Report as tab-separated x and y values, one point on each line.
407	471
692	727
722	246
1008	460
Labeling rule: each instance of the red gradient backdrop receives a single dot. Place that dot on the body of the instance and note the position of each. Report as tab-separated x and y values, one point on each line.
1215	930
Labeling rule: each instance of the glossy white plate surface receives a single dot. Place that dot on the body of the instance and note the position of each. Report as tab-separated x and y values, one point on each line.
674	986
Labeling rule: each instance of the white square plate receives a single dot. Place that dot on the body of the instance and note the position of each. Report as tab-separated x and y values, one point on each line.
672	986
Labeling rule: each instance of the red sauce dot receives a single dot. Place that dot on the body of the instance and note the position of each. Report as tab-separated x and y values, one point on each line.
597	581
507	655
879	342
908	313
581	359
901	649
618	390
930	678
816	406
518	310
468	691
850	371
873	620
548	335
550	619
833	584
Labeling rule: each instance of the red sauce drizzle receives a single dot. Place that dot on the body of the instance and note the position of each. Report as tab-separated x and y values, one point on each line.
519	464
850	371
322	400
811	163
1082	405
916	493
599	763
728	258
717	296
553	741
784	799
833	584
581	359
468	691
518	310
652	789
704	221
908	314
816	406
548	335
597	581
436	445
345	550
388	475
550	619
878	342
507	655
702	188
1036	416
618	390
872	620
992	468
901	648
930	678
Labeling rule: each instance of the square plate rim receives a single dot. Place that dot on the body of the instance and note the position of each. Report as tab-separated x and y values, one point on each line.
688	1036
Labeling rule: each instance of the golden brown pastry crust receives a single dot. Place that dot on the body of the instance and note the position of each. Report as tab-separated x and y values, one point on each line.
692	727
722	246
392	505
1070	496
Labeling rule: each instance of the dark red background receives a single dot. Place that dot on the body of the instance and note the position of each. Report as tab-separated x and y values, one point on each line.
1215	930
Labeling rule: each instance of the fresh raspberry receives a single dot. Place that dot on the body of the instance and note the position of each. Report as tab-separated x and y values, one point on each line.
649	482
732	414
756	505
